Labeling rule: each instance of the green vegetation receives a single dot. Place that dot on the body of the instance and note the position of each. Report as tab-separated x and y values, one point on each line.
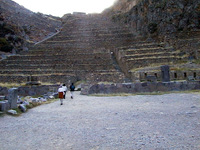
11	85
152	27
196	61
145	93
161	4
5	45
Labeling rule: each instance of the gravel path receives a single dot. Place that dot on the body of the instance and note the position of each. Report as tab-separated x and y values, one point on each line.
155	122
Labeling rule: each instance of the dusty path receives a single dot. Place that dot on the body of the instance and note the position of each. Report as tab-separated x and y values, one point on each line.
162	122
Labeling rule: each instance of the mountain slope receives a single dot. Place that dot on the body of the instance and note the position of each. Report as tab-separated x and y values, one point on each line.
17	22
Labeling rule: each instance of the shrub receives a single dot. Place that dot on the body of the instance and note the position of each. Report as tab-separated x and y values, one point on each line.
152	28
5	46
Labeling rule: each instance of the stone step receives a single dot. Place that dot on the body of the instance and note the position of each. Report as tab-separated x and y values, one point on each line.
94	31
189	35
94	38
141	45
91	36
50	71
56	61
147	50
95	27
69	57
146	55
147	61
49	78
58	66
60	50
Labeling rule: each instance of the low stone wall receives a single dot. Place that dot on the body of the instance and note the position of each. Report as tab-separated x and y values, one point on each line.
32	90
139	87
42	78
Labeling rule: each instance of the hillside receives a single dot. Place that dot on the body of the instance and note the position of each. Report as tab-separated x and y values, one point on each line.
127	42
157	16
166	21
19	25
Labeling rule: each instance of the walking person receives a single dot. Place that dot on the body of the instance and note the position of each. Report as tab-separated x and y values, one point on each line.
72	88
61	93
65	90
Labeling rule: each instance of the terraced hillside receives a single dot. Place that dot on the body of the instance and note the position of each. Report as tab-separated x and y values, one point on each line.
143	54
81	51
91	48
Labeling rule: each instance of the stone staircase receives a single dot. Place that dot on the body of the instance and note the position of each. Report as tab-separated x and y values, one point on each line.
91	48
143	54
81	51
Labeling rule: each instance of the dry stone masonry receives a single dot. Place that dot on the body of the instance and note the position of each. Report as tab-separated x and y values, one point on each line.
89	47
95	48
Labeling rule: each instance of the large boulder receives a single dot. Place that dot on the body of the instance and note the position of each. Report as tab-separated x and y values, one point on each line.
22	107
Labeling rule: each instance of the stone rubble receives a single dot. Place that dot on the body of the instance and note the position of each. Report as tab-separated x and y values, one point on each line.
21	102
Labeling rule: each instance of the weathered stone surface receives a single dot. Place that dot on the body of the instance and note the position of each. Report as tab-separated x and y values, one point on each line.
12	112
168	16
2	97
12	97
151	78
140	87
3	91
4	105
165	72
22	107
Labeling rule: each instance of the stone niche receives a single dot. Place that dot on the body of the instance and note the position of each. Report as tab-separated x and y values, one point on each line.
32	80
172	75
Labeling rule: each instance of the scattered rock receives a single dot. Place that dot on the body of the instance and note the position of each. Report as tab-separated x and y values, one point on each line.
42	99
51	97
22	107
193	107
26	103
34	100
19	101
2	97
12	112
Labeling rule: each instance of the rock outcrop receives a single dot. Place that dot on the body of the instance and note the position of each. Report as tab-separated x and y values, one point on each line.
157	16
19	25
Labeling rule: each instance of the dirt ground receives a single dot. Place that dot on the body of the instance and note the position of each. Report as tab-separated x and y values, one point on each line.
141	122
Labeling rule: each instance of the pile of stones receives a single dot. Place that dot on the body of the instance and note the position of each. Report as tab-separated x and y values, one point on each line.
12	101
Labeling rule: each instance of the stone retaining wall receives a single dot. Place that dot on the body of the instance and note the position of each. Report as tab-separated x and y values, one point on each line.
139	87
32	90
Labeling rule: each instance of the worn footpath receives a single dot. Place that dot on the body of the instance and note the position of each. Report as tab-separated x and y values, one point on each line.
146	122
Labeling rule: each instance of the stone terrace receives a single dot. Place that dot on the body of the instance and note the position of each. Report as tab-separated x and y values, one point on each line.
144	54
79	51
91	48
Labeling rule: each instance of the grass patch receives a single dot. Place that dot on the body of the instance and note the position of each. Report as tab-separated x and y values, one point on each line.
196	61
146	93
19	112
80	82
11	85
33	105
